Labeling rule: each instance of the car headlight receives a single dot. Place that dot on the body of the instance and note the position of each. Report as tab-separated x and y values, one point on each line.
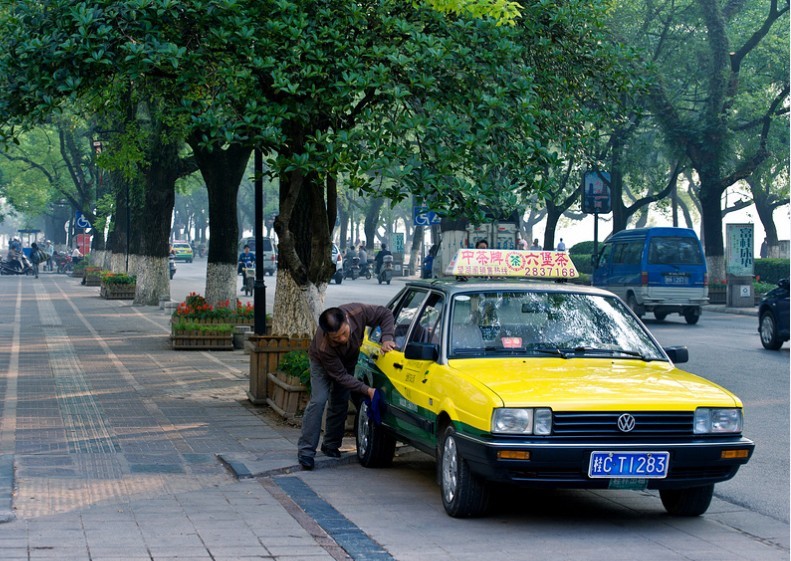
522	421
710	420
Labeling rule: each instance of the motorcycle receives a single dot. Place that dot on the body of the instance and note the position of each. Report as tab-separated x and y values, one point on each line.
248	281
386	270
365	270
16	263
63	262
351	268
171	265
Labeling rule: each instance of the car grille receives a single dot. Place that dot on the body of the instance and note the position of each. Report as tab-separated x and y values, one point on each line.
605	424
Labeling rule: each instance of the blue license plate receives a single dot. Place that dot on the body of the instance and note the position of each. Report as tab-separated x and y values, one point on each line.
646	465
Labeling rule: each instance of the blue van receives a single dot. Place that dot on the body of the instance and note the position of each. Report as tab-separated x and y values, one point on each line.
659	270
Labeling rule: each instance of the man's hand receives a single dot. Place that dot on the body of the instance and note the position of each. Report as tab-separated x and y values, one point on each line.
388	346
371	392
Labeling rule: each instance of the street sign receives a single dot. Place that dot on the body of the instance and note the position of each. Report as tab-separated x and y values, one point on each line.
596	193
422	216
81	221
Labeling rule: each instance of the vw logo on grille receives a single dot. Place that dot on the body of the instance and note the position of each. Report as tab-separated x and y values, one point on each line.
626	422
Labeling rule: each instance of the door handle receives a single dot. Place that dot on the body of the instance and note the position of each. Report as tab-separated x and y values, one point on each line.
398	366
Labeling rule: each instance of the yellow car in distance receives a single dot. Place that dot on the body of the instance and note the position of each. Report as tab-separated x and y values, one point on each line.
543	385
182	250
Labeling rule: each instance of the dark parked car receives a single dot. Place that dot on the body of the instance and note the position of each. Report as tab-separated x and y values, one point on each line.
773	317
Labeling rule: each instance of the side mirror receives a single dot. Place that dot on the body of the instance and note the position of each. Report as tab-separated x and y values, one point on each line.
421	351
677	354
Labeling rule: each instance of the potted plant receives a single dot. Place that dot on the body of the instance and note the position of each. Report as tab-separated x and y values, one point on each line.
289	385
191	335
117	286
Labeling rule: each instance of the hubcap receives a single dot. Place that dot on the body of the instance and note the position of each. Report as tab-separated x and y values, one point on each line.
767	329
450	472
363	430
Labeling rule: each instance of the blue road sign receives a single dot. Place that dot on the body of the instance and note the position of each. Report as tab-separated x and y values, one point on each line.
424	217
81	221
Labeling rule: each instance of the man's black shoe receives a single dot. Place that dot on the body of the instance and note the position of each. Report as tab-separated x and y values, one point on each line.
331	452
306	462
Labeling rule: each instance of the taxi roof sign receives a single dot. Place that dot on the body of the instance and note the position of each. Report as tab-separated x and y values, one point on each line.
512	263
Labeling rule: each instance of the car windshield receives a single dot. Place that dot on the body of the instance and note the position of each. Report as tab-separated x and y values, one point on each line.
567	325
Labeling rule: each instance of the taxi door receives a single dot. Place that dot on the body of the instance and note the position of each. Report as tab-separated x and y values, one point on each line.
388	369
418	374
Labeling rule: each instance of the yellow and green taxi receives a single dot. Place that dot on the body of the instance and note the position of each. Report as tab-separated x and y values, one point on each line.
547	385
182	251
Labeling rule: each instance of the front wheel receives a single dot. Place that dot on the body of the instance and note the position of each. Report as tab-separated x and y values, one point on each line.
464	495
375	447
768	331
693	501
660	316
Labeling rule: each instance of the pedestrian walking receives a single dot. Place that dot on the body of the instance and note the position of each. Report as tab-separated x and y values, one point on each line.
35	257
333	354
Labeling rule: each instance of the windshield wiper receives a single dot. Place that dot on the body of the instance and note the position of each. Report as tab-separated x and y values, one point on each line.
593	350
551	351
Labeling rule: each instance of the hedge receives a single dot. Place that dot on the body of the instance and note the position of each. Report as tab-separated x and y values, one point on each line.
769	270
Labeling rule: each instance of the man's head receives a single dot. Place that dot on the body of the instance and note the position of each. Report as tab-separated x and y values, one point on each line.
246	248
333	322
481	244
384	246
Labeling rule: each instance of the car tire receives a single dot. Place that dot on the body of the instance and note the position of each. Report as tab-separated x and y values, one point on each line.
375	446
464	495
767	328
692	315
631	301
660	316
338	278
692	501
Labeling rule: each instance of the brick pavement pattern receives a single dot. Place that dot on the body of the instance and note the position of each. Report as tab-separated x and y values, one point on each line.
113	446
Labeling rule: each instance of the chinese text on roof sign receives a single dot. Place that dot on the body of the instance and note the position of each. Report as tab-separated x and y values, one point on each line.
511	263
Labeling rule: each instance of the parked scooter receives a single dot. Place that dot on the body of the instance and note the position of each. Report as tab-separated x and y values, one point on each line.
248	281
386	270
16	263
351	268
172	265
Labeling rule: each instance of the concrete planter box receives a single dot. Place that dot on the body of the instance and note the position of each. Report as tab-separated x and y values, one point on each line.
201	341
117	291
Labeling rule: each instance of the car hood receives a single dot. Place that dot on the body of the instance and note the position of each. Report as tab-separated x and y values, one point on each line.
594	384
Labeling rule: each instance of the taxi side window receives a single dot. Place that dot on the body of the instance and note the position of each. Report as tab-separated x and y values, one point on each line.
406	313
428	328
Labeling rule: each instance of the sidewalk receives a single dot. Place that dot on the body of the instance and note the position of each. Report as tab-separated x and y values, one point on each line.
114	446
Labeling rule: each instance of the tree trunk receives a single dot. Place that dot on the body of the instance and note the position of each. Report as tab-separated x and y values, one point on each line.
222	170
711	215
151	222
305	259
372	222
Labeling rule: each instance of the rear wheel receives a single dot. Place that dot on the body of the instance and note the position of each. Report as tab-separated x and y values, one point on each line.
631	301
375	446
692	315
768	330
693	501
660	316
463	494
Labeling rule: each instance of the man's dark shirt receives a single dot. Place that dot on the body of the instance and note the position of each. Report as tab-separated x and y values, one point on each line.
339	361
